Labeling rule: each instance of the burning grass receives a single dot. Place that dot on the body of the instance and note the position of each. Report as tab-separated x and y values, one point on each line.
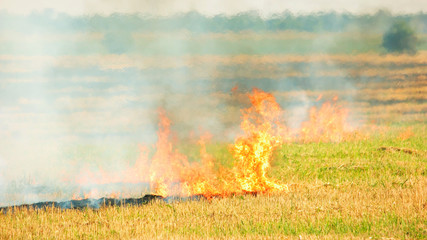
319	181
337	190
170	173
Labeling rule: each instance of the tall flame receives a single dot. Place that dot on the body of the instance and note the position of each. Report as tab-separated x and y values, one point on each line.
252	154
170	173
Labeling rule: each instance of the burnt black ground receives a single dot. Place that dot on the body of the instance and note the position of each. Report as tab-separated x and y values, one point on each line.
101	202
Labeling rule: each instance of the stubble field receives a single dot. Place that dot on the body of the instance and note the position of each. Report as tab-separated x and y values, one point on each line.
374	186
337	190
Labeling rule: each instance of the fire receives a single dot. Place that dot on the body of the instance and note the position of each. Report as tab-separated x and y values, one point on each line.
166	162
406	134
172	173
252	153
328	123
115	195
169	172
76	197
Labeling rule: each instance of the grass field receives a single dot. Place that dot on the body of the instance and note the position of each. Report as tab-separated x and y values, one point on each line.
371	187
337	190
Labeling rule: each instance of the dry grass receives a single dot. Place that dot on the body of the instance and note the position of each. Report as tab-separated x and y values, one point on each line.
379	87
345	210
344	190
323	209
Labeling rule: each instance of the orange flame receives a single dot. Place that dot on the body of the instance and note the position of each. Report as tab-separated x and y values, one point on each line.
76	197
170	173
261	125
406	134
166	162
328	123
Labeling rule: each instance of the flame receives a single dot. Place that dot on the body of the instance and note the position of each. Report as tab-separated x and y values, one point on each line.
169	167
252	153
170	173
76	197
335	98
406	134
262	127
328	123
114	195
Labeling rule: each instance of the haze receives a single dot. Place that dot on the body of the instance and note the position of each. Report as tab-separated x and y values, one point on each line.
167	7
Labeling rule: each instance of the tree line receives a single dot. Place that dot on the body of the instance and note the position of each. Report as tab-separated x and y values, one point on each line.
195	22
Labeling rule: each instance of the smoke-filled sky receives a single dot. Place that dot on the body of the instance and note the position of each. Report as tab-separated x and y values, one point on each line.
166	7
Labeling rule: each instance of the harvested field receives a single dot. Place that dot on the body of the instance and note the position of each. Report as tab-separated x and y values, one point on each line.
344	190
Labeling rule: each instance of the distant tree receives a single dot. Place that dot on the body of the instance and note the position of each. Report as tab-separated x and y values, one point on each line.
400	38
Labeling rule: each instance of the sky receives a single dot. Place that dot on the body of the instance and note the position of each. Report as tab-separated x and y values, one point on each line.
166	7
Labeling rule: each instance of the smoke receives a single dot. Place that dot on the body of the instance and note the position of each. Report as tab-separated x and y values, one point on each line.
2	178
79	93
